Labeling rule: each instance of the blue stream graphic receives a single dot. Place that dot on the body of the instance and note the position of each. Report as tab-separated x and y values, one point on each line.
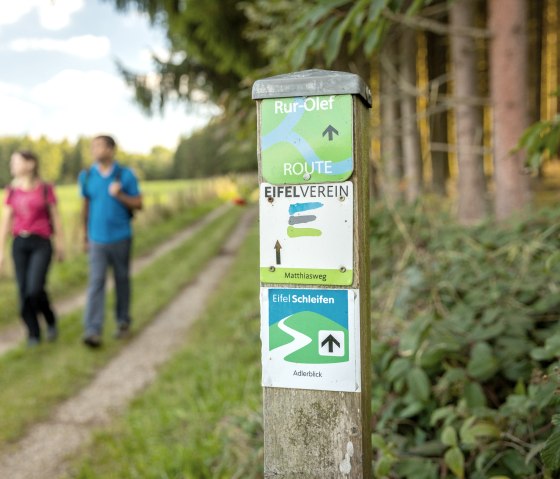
299	207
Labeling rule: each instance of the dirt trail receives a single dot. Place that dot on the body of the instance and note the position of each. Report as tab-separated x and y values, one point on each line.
43	452
12	336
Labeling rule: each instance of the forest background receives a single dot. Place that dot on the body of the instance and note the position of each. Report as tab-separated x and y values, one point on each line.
450	106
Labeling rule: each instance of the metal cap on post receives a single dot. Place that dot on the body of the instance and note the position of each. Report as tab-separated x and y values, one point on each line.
313	152
311	83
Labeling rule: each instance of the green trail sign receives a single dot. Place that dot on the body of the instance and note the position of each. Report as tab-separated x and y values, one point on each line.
311	339
306	139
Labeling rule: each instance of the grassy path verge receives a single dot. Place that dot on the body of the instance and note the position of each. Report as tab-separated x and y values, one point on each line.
201	418
32	383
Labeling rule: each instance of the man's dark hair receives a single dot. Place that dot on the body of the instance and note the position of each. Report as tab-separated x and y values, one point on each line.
109	141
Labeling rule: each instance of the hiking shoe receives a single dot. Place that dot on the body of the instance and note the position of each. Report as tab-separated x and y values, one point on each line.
52	333
33	342
122	332
92	340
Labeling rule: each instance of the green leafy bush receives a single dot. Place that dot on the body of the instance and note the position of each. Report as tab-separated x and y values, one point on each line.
541	141
467	347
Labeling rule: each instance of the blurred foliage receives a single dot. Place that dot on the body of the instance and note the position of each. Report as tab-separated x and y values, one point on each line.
210	57
255	38
61	161
214	150
541	141
466	356
341	34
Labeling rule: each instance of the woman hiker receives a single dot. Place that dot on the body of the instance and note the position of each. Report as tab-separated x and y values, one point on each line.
32	217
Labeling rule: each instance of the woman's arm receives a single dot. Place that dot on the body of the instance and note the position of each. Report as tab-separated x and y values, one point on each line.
58	232
5	227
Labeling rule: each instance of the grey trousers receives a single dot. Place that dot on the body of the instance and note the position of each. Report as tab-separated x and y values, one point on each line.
101	257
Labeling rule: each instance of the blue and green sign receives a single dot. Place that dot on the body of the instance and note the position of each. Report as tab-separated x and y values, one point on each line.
306	140
310	339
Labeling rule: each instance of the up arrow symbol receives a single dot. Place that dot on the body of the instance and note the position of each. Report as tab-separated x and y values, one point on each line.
278	247
330	130
331	341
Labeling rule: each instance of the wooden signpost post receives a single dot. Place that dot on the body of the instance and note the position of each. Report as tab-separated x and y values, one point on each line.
313	143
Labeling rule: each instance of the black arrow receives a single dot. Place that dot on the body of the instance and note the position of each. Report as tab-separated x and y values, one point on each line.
278	247
330	130
330	339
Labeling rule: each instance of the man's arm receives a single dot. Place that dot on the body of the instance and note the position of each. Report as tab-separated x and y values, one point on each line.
82	179
85	220
131	202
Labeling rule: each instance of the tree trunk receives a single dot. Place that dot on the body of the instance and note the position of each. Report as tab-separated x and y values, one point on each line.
468	118
410	133
437	71
535	39
390	128
509	95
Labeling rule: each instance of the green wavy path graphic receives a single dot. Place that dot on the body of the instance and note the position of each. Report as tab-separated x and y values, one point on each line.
309	324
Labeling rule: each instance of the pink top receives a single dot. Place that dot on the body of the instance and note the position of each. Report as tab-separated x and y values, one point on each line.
31	210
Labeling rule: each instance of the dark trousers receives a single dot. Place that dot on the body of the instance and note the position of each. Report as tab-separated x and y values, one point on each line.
101	257
32	256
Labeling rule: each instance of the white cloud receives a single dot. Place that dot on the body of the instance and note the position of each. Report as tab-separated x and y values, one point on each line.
10	89
141	133
162	53
74	103
12	11
77	89
84	46
146	55
56	15
134	18
18	115
53	15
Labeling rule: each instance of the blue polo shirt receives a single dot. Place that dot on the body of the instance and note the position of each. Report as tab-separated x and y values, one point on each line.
108	219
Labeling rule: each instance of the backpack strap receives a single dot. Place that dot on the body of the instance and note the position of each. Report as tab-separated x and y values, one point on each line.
118	176
118	172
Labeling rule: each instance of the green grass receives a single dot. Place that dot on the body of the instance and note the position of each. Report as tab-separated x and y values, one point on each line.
68	277
201	418
33	382
159	197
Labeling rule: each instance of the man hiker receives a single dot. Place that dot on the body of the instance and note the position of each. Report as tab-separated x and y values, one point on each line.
111	194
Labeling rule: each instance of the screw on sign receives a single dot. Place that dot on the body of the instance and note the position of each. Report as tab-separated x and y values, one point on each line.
313	208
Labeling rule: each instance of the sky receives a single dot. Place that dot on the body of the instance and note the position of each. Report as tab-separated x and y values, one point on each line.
58	74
